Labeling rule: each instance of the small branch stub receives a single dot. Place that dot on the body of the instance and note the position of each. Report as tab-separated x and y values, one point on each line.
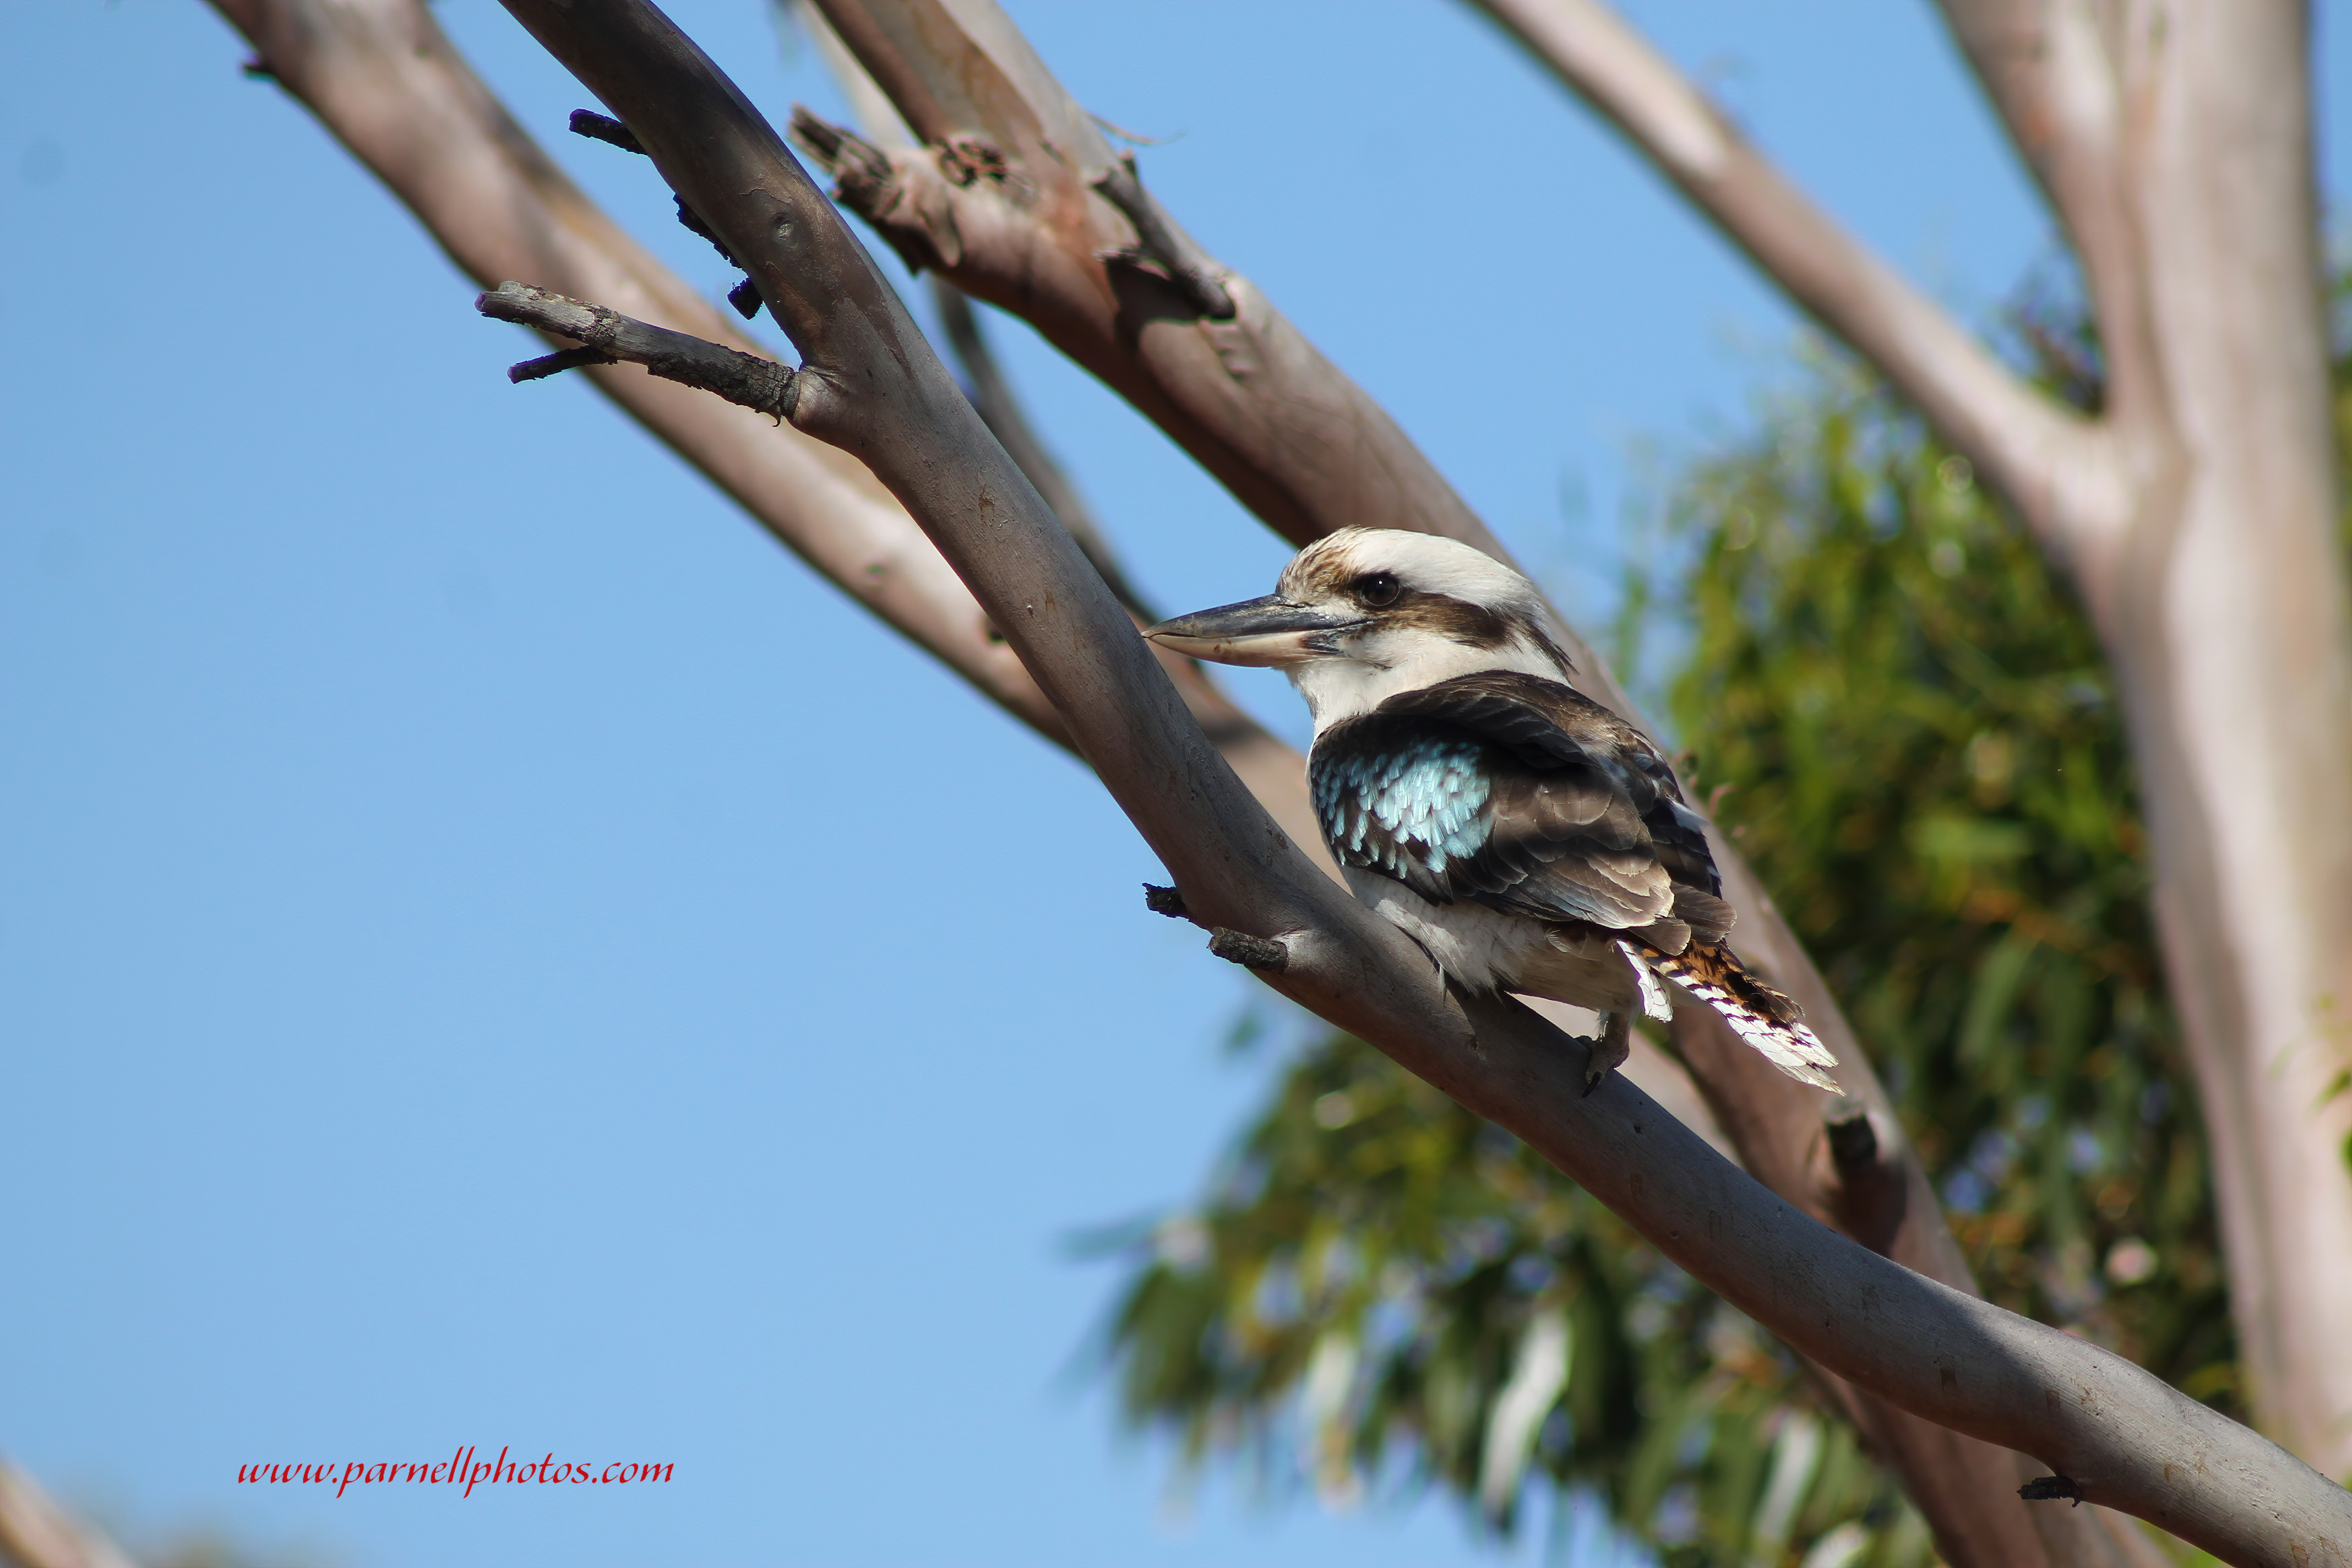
911	208
1854	1143
1159	242
557	364
606	129
1864	1189
745	295
2049	1488
747	379
691	221
1249	951
1163	901
867	180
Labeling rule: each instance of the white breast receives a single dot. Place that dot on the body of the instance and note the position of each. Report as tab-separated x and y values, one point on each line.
1337	689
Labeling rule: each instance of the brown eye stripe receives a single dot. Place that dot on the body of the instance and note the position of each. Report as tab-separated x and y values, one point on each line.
1457	618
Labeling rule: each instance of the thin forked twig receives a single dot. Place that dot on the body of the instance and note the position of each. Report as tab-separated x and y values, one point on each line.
609	337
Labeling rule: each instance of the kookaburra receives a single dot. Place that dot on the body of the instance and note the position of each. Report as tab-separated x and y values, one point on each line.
1527	837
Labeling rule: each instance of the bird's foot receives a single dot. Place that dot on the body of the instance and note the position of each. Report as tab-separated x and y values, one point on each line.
1608	1051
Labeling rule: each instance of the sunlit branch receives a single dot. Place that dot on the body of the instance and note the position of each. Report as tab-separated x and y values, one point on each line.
869	382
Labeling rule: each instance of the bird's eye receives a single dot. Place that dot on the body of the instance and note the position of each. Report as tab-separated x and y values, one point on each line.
1379	589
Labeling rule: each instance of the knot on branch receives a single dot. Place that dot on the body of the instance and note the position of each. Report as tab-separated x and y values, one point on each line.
1853	1142
691	221
2049	1488
1249	951
910	202
1161	244
1163	902
608	336
864	179
966	160
1867	1195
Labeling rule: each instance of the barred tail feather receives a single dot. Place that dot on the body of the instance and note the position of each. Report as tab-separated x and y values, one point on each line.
1757	1013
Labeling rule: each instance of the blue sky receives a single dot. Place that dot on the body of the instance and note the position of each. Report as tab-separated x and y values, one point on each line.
486	953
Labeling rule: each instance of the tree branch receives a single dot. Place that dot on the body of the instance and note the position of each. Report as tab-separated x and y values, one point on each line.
2177	143
992	394
1001	199
37	1531
383	77
1157	240
1251	399
1278	775
1313	454
870	382
2053	73
2050	72
610	338
2059	468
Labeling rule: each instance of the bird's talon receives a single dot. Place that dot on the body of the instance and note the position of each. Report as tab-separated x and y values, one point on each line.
1606	1052
1595	1073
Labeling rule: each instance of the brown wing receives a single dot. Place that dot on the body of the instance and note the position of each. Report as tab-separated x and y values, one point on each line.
1574	752
1523	795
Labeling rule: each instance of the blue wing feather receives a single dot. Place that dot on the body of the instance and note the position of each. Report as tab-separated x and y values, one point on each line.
1520	794
1409	810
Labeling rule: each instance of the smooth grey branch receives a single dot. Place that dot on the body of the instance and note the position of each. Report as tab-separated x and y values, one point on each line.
2198	514
992	395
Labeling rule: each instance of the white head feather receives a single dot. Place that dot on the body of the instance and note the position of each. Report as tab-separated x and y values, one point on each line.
1458	611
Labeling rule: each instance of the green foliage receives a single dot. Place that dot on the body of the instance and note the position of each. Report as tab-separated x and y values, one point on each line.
1913	736
1381	1276
1903	720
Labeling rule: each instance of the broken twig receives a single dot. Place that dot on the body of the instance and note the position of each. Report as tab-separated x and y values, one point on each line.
1161	242
747	379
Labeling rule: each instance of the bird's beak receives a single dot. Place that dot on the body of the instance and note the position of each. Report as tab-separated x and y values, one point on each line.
1256	631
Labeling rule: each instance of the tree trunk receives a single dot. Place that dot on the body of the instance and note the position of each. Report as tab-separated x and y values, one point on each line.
2219	587
2196	513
